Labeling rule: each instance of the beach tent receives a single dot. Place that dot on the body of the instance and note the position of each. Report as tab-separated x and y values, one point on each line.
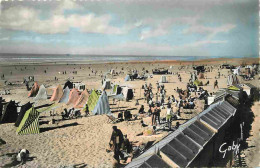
65	96
9	113
237	71
127	78
34	90
57	94
201	75
29	123
106	85
92	100
23	110
69	84
73	97
82	99
232	80
42	94
128	93
198	83
163	79
112	71
102	106
116	90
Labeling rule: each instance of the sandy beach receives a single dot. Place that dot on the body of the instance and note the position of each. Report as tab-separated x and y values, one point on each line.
83	141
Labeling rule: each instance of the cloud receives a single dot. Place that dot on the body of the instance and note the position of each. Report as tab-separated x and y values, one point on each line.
28	19
4	38
162	27
209	31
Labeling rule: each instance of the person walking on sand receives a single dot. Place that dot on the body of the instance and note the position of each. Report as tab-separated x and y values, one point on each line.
216	84
116	141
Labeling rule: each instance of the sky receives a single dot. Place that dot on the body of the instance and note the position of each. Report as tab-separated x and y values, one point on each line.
134	27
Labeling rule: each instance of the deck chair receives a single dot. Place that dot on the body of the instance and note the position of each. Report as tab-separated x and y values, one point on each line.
111	119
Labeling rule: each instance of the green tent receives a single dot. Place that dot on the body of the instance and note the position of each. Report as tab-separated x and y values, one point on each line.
93	99
115	88
198	83
29	123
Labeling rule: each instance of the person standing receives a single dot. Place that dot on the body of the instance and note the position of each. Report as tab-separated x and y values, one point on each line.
216	84
157	114
116	141
169	115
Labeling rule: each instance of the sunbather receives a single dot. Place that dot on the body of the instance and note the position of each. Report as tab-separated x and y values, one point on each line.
148	132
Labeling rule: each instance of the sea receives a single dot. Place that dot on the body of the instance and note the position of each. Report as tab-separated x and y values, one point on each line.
56	58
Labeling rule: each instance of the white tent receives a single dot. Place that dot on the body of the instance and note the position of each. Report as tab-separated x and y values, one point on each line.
102	106
128	93
163	79
237	71
65	96
127	78
232	80
42	94
106	85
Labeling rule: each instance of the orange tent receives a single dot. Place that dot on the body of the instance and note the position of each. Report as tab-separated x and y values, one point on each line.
73	97
82	99
57	94
34	90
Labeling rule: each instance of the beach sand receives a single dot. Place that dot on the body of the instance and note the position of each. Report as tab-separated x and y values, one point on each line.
85	140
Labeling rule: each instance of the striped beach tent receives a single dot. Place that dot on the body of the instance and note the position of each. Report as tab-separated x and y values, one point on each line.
82	99
102	106
163	79
29	123
116	90
232	80
92	100
73	97
57	94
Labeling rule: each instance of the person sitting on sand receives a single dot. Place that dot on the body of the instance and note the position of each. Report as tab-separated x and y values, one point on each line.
148	132
115	143
22	156
65	114
127	115
143	124
120	116
141	110
126	145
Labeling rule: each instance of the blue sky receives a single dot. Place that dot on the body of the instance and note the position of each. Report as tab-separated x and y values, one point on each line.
136	27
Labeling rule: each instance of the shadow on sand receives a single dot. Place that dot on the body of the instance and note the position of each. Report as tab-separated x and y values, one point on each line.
62	126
